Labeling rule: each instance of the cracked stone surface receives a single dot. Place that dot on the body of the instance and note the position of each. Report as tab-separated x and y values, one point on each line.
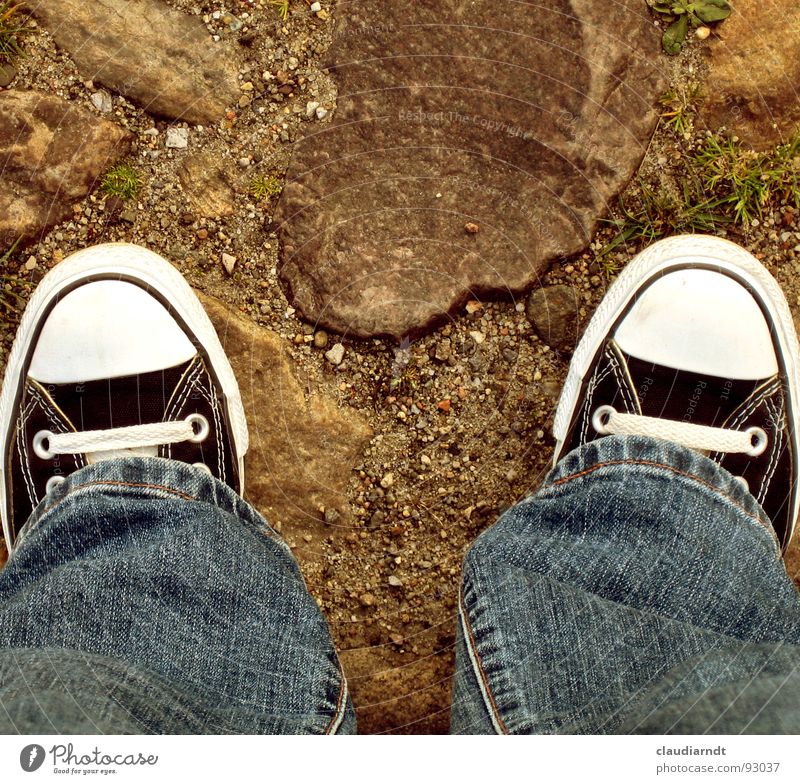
51	155
754	72
473	143
302	443
163	59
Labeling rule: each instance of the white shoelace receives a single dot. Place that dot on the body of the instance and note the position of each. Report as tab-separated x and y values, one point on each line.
606	420
47	445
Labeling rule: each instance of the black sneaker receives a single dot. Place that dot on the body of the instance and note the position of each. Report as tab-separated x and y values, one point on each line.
114	356
694	343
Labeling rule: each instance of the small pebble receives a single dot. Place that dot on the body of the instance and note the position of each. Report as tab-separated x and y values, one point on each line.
336	354
320	338
395	582
316	7
229	262
332	516
177	138
102	101
387	481
7	75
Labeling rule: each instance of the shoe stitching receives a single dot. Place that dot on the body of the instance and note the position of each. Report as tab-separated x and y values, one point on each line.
592	388
746	408
176	405
187	381
22	449
181	389
218	424
627	381
752	403
56	416
776	449
207	393
619	377
180	386
656	464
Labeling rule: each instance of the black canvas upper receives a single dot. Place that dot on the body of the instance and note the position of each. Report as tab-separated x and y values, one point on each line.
633	386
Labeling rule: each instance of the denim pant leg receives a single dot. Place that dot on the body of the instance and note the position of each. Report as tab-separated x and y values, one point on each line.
145	596
640	590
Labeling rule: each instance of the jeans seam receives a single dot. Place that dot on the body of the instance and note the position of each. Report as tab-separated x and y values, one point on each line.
118	483
33	523
338	715
476	658
656	464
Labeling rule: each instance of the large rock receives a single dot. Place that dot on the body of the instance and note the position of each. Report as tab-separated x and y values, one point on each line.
754	71
162	59
51	155
208	184
522	120
301	446
554	312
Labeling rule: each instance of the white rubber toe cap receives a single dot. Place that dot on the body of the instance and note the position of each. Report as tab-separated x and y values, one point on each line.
700	321
107	329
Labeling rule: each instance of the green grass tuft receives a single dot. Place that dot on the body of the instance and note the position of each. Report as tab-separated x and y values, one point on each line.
263	187
722	184
10	31
678	105
122	181
282	7
750	182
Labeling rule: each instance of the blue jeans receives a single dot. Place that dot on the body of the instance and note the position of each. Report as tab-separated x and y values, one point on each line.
640	590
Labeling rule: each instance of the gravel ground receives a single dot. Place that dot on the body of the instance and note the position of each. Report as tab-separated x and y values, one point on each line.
461	417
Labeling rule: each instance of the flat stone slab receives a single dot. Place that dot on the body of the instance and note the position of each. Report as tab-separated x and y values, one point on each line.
162	59
754	73
52	154
302	445
473	143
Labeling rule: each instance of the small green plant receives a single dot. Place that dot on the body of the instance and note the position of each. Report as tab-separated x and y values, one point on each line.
10	31
122	181
282	7
11	289
683	14
263	187
678	104
722	184
749	181
659	212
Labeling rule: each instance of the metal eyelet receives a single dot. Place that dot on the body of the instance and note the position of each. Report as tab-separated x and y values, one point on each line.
758	441
200	426
39	446
53	482
600	419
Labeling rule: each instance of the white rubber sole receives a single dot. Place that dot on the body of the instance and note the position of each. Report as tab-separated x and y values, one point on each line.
659	258
121	261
